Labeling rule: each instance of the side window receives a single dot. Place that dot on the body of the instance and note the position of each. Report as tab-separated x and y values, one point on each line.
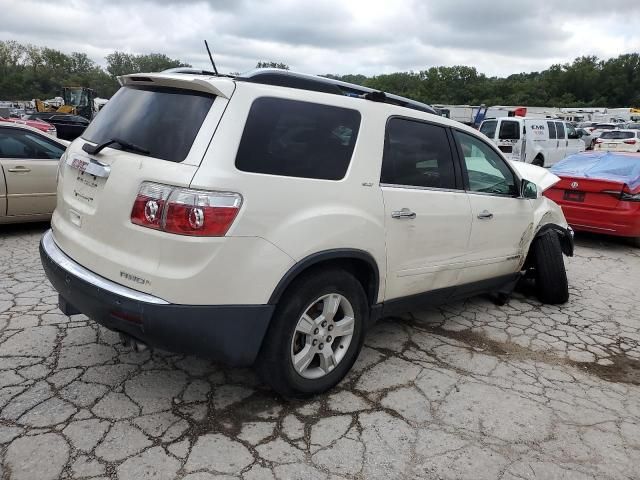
16	143
298	139
552	130
572	133
488	127
487	172
417	154
509	130
560	130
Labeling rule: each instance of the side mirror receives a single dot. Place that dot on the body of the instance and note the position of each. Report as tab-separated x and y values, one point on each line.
528	190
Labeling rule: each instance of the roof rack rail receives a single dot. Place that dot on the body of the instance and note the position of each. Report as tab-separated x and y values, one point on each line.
285	78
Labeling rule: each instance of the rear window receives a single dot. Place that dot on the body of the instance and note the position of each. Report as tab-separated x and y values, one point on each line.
298	139
604	126
489	128
163	121
509	130
616	135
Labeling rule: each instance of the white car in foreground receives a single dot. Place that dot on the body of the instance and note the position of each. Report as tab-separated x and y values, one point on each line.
270	219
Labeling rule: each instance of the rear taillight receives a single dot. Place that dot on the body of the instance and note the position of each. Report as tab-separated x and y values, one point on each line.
185	211
599	140
630	142
629	196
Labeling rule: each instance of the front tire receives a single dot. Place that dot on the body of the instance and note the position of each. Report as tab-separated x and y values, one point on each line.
550	275
316	334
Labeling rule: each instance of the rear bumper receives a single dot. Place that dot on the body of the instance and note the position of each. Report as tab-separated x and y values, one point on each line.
231	334
623	223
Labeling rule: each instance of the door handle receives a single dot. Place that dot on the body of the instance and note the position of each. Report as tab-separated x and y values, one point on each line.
485	215
20	169
404	213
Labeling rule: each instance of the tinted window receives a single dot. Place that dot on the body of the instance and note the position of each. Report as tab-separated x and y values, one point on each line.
616	135
509	130
560	130
417	154
552	129
163	121
21	144
298	139
489	128
487	172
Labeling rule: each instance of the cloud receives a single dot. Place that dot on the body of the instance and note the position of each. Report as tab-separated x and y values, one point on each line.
498	37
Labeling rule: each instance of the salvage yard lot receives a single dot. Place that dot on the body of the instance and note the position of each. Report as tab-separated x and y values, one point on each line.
469	390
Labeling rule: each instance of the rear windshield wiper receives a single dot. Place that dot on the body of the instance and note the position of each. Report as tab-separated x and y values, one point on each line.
132	147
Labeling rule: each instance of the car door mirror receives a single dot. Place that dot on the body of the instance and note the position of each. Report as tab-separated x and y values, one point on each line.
528	189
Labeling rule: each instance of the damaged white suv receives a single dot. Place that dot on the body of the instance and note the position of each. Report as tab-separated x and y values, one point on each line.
270	219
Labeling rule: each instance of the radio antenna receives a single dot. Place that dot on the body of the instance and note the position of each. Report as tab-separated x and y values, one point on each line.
211	57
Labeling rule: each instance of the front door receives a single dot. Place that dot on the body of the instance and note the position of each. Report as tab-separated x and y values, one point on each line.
502	222
427	214
30	163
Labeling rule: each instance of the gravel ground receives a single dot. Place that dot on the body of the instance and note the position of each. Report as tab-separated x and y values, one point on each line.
469	390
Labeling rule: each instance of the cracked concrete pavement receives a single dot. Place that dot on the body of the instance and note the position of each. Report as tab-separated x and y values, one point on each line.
468	390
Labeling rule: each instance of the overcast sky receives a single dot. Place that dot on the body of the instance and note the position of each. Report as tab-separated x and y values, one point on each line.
498	37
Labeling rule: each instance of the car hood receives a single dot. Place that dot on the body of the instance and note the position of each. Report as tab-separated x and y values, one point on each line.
618	167
542	177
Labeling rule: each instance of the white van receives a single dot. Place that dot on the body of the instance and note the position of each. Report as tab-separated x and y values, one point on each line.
540	141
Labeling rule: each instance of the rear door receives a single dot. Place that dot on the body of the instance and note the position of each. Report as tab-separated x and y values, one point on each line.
427	214
510	139
562	142
552	155
30	163
500	220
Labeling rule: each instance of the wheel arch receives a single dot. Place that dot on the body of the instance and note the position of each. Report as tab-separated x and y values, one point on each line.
565	234
359	262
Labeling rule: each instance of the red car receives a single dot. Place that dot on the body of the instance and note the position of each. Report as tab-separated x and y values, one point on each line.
600	192
39	124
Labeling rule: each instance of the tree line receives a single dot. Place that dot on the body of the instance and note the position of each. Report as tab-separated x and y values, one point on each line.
28	71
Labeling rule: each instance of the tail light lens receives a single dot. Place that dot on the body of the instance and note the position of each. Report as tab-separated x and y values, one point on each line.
630	142
599	140
628	196
185	211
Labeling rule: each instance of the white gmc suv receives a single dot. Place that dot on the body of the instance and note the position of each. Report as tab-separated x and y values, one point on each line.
269	219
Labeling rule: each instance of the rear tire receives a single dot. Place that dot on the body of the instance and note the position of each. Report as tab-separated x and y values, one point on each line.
550	275
538	161
635	242
285	342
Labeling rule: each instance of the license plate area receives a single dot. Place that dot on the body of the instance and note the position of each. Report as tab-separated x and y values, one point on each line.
573	196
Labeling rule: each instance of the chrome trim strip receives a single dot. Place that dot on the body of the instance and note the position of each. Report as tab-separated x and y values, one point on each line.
67	264
595	228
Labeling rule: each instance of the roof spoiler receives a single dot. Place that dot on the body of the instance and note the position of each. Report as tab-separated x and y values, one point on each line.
220	87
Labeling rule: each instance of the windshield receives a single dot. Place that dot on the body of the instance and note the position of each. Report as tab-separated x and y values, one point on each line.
489	128
616	135
163	121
